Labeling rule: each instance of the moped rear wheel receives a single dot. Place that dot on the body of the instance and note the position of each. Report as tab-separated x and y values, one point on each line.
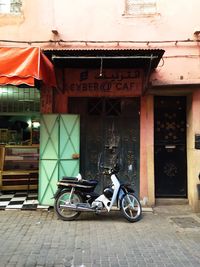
63	213
131	208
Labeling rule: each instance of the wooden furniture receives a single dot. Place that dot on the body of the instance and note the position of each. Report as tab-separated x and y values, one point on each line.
3	136
19	167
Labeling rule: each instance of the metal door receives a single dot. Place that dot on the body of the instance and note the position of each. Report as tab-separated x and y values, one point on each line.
170	147
59	152
109	134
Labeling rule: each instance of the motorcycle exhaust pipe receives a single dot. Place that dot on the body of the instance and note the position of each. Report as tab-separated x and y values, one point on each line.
76	208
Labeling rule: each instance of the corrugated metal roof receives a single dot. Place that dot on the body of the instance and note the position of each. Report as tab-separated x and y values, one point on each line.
97	49
112	57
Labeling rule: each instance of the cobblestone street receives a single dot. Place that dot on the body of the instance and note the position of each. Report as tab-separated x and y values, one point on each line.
168	236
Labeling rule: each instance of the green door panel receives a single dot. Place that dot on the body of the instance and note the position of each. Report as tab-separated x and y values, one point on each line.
59	142
48	173
49	137
69	136
68	168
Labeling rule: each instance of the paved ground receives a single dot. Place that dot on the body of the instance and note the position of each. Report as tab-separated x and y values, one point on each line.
168	236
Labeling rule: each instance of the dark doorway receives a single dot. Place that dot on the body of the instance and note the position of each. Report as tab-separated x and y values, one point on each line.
109	135
170	146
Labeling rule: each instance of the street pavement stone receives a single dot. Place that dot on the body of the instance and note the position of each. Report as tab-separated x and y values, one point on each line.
168	236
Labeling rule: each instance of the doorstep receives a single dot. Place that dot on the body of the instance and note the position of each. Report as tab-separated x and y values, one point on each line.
171	201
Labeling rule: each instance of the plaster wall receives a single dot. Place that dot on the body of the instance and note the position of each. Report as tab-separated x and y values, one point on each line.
103	20
147	192
193	154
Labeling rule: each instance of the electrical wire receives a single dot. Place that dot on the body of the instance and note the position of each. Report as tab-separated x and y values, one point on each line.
101	42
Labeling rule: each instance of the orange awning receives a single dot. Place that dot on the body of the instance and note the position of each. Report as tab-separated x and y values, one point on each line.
24	65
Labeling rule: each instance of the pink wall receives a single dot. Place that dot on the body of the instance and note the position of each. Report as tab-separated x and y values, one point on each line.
105	20
143	149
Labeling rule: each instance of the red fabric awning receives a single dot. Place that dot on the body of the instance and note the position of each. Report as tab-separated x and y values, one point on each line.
24	65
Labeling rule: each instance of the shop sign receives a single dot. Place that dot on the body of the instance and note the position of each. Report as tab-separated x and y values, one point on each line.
109	82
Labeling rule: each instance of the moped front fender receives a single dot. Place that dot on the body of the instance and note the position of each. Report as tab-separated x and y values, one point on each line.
121	193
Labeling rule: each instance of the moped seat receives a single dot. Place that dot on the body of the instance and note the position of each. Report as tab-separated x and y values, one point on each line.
70	178
74	180
89	182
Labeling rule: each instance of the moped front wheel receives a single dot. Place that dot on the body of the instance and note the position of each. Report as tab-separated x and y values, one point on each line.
63	212
131	208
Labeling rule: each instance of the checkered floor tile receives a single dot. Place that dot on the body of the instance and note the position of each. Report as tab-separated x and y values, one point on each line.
20	200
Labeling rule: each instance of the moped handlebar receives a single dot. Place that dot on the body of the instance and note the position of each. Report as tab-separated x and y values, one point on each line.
110	170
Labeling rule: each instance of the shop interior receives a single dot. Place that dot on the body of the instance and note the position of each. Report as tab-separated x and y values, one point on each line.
19	130
19	153
19	146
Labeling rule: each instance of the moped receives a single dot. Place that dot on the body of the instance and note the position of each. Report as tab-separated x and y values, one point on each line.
75	195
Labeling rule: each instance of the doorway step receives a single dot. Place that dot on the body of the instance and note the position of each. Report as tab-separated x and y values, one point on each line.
171	201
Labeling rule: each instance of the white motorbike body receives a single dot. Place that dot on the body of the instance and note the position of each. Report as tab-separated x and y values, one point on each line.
102	198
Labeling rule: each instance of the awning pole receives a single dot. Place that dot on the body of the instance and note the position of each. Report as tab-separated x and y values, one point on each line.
146	85
101	68
104	57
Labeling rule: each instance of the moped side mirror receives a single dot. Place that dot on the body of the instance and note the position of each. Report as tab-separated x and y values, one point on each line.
116	167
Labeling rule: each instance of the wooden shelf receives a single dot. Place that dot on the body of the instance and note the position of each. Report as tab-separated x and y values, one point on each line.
17	170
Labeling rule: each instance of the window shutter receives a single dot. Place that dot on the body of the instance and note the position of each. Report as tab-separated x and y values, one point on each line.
140	7
10	6
15	6
4	6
